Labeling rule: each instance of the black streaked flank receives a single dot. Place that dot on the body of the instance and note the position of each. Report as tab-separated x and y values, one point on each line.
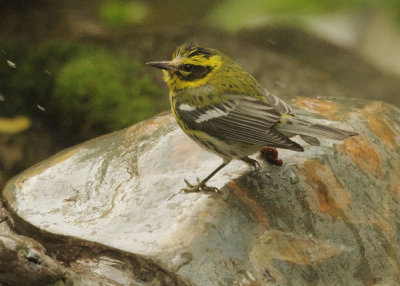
209	145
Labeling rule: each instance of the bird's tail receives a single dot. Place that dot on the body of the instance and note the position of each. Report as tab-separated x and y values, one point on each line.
311	131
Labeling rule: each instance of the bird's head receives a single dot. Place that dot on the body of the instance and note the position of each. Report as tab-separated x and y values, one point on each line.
191	66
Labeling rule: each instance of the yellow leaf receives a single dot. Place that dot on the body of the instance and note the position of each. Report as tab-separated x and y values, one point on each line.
14	125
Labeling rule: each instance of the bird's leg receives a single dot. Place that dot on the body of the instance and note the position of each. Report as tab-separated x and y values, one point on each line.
251	162
201	186
271	155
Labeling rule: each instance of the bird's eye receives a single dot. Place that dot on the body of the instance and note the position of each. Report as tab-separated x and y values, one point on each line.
187	67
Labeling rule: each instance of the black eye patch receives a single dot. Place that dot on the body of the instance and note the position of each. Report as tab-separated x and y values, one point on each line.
188	67
192	72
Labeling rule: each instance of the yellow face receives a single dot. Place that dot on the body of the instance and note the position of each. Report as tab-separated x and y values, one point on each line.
191	67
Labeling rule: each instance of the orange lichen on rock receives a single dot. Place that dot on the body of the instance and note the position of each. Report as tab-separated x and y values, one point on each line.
322	107
383	129
363	153
275	245
375	107
250	202
396	189
331	196
395	178
379	122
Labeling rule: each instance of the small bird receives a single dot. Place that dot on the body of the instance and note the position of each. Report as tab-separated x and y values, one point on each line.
225	110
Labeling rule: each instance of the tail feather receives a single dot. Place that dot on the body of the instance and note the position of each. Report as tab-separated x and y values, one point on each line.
310	140
309	130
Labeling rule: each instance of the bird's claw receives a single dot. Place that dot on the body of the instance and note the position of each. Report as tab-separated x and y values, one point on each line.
253	163
200	187
188	184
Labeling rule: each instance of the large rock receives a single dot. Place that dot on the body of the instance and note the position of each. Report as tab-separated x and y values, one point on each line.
112	208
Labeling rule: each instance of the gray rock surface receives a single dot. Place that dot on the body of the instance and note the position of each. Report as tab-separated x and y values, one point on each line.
111	208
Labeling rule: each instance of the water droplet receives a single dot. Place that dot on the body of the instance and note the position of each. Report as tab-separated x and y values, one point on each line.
40	107
11	64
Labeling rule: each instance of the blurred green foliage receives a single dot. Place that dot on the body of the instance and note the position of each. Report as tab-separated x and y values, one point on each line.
244	13
118	13
82	88
32	81
107	89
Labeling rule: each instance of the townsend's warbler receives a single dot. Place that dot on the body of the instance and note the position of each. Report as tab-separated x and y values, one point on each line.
224	109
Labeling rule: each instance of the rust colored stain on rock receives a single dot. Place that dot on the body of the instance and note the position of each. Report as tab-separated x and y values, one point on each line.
396	189
361	150
395	179
383	128
250	202
331	196
322	107
274	245
379	122
375	107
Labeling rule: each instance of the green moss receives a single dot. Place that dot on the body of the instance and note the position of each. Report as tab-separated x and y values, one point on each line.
106	89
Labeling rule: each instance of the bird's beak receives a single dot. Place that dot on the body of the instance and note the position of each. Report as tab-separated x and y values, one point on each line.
164	65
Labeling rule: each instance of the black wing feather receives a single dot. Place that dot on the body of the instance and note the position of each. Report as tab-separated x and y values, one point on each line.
244	119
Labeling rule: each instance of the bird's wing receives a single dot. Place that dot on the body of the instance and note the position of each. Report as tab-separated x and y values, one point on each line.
241	118
277	103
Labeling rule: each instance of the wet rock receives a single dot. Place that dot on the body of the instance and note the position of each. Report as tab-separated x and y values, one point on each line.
112	207
23	262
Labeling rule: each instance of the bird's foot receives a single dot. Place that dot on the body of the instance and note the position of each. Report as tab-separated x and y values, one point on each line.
270	154
252	162
199	187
